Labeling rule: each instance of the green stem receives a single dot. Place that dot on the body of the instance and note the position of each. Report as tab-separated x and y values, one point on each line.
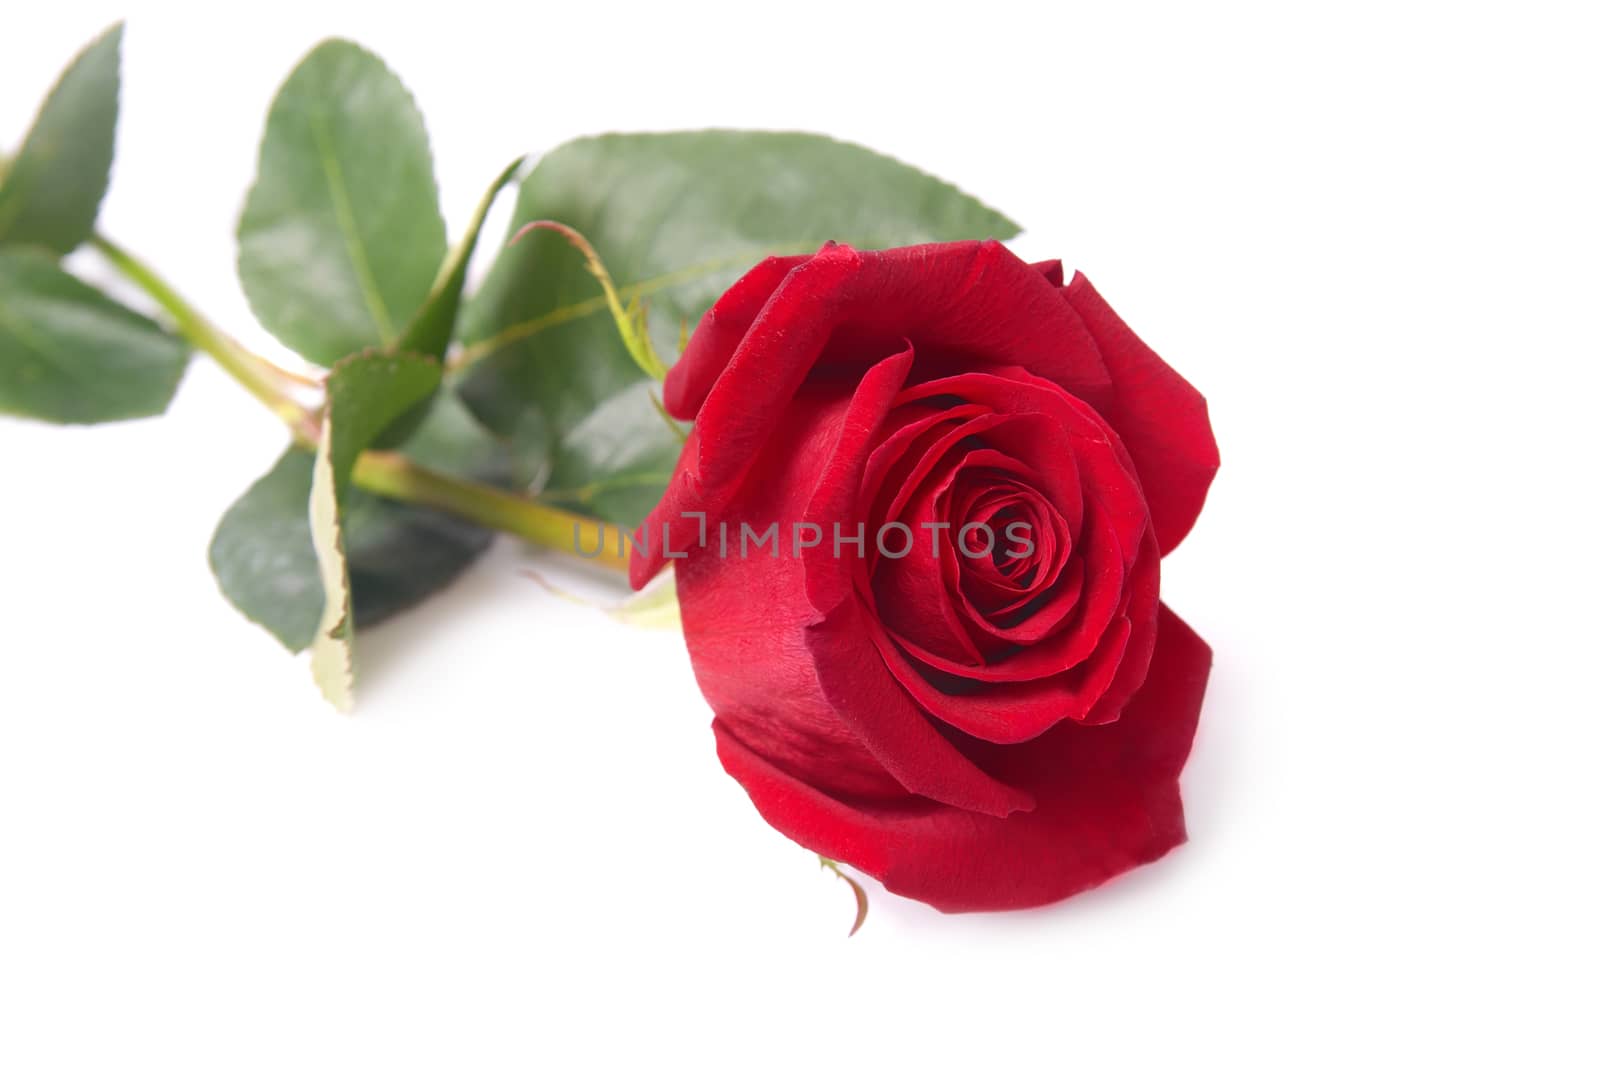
274	387
396	476
389	475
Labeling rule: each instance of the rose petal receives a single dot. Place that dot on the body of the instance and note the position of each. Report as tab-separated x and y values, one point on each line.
1160	418
1107	801
1005	711
912	598
719	333
848	668
758	383
745	609
976	299
1051	270
746	620
1008	580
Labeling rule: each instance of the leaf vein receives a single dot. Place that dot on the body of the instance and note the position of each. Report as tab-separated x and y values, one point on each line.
344	215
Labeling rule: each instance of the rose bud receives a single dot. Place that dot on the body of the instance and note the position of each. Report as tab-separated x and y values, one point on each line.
917	531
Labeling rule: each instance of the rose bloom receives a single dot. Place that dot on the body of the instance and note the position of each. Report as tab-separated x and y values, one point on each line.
975	730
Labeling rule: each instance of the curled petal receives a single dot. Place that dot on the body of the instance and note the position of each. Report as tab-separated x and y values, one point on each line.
849	670
721	330
1161	419
1107	802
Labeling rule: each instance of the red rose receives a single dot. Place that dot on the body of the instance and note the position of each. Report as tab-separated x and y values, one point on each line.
976	720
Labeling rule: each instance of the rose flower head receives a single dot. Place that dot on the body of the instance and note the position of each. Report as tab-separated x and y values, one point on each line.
917	531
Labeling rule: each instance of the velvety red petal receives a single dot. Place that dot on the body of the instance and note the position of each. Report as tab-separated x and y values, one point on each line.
849	669
1013	711
1160	418
751	393
719	333
1093	692
909	479
868	698
1006	595
749	622
914	601
1051	270
1032	615
1107	801
978	300
1103	464
916	594
973	299
745	611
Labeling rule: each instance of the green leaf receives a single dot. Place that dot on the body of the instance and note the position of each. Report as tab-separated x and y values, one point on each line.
434	324
675	218
341	237
262	554
630	318
333	647
51	193
615	462
367	394
398	555
71	355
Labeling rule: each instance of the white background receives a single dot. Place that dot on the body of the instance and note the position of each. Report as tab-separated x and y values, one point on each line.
1370	236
